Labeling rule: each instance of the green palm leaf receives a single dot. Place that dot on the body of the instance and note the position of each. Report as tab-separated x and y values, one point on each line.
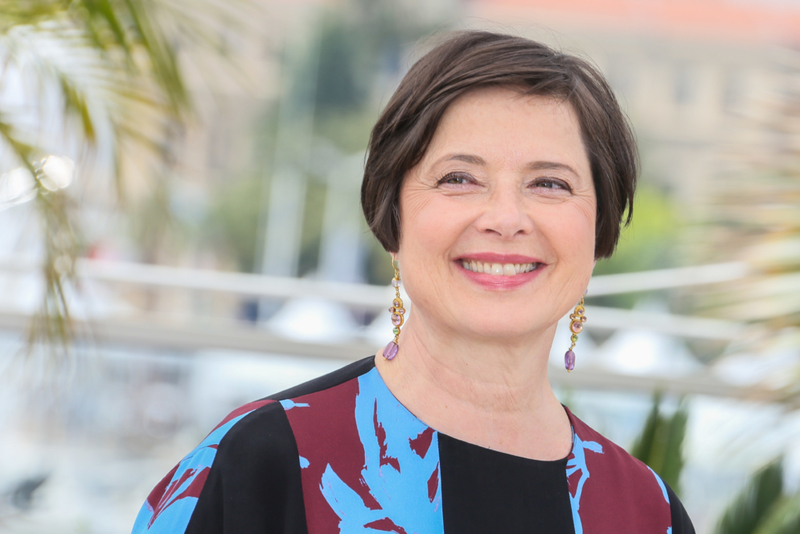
113	66
784	517
660	444
749	511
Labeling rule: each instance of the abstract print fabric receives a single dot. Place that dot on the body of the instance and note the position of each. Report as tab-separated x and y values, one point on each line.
341	454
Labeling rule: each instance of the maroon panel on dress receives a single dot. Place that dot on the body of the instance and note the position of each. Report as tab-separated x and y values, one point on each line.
621	494
327	434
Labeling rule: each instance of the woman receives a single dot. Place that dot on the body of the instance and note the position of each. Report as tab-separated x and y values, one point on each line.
498	173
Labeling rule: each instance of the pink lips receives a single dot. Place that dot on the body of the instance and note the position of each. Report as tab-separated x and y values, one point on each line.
492	282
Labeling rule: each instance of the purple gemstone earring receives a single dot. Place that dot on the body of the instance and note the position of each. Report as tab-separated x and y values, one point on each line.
398	312
577	318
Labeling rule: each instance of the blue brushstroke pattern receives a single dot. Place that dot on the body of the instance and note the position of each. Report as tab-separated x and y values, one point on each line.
288	404
663	491
578	463
175	515
402	495
660	484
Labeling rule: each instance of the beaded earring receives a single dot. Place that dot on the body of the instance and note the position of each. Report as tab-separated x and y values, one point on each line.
577	318
397	315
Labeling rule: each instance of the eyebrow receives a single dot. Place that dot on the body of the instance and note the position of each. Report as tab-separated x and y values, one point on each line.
550	165
534	166
466	158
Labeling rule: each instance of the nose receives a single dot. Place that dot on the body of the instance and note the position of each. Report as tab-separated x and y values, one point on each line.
505	213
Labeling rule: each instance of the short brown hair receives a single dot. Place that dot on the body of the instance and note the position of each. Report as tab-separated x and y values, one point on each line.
472	59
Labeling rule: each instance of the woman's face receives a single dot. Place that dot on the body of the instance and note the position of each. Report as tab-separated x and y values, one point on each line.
498	219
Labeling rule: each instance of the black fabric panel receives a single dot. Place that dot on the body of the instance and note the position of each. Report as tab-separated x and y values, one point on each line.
328	381
681	524
254	485
489	491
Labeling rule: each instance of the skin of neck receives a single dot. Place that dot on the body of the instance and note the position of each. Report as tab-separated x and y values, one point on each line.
491	393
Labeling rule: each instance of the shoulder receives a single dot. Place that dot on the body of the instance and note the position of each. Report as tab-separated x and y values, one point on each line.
331	380
249	460
170	505
610	486
590	450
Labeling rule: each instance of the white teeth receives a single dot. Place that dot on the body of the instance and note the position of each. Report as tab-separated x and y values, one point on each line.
498	269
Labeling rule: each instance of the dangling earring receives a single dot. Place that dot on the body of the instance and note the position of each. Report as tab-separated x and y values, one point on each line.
397	315
576	325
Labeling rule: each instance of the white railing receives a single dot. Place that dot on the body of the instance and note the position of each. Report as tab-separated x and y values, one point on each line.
142	330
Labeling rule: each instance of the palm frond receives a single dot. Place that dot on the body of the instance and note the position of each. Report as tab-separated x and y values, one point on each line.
23	150
52	323
660	444
112	67
750	509
784	517
752	214
161	54
645	443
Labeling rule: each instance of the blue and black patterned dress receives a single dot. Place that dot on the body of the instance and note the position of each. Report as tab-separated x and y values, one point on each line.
341	454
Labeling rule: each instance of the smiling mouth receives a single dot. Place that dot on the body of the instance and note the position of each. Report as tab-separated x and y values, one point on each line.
499	269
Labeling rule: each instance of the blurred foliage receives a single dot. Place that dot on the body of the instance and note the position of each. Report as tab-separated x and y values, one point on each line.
660	444
362	56
233	219
113	68
762	507
347	73
752	505
348	130
783	517
311	238
751	214
151	221
648	243
360	42
378	269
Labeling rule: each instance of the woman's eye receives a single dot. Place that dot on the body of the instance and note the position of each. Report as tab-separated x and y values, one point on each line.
455	179
547	183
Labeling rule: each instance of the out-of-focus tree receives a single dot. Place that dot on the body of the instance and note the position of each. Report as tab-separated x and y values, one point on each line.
660	443
91	89
648	242
361	50
762	507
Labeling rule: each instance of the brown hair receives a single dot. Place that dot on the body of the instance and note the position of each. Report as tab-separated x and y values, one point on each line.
474	59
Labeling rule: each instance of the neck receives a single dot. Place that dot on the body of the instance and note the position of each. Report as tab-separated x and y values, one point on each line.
488	392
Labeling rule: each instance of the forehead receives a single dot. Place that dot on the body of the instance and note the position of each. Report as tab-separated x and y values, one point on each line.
506	119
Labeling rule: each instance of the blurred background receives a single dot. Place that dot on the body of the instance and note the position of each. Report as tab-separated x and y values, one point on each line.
180	233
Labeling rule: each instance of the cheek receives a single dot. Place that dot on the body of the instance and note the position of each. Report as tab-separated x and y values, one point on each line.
571	232
430	228
428	224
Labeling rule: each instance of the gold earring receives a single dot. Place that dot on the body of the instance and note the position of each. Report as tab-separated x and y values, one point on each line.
398	313
577	318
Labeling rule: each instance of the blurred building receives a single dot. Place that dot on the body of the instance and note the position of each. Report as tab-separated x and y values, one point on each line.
694	76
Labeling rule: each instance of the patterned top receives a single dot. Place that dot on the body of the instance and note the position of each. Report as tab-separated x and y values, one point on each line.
341	454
